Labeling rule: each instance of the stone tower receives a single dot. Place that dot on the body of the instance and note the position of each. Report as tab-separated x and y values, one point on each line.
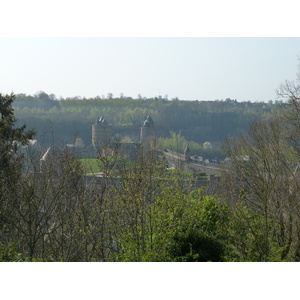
101	134
147	130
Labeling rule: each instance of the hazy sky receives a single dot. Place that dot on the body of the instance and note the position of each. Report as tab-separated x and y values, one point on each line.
187	68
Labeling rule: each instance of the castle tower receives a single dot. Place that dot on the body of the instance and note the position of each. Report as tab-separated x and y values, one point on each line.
101	134
147	130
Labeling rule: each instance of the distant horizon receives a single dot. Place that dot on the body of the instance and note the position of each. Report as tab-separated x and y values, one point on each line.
105	97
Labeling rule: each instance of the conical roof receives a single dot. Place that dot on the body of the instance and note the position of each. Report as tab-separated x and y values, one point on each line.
104	122
98	121
148	122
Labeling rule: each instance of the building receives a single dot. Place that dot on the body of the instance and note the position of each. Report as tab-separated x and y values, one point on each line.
101	134
147	130
105	145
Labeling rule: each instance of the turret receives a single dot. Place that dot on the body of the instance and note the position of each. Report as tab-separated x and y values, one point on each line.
147	129
101	132
148	122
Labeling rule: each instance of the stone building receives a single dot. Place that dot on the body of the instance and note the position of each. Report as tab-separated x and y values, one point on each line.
147	130
101	133
105	144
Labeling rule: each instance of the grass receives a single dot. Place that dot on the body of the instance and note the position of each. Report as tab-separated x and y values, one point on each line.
91	165
94	165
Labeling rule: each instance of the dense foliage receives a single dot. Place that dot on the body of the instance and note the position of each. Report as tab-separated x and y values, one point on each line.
136	210
196	121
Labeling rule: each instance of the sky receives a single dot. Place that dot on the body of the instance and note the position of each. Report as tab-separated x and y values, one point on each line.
193	50
190	68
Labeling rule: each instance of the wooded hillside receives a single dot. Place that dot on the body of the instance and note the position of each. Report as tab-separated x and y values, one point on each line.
199	121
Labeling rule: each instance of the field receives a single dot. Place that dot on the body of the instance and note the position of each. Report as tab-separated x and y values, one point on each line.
94	165
91	165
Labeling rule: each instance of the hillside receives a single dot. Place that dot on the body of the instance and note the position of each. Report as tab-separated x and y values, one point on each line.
198	121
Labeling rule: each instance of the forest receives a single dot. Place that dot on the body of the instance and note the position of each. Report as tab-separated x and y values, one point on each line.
59	120
139	211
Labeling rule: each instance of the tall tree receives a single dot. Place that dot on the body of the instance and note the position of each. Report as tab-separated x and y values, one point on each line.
9	134
11	138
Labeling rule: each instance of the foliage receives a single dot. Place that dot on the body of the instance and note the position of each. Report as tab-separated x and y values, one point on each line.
196	121
178	226
9	135
177	143
262	188
10	253
11	162
57	213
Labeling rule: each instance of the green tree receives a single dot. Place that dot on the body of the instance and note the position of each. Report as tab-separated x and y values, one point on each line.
11	163
9	135
169	222
11	138
262	178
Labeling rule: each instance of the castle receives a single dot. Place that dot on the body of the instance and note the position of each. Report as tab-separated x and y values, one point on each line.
104	143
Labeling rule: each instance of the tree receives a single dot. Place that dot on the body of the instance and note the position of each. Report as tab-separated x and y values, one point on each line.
9	135
263	178
263	184
289	92
11	138
47	102
11	162
161	217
